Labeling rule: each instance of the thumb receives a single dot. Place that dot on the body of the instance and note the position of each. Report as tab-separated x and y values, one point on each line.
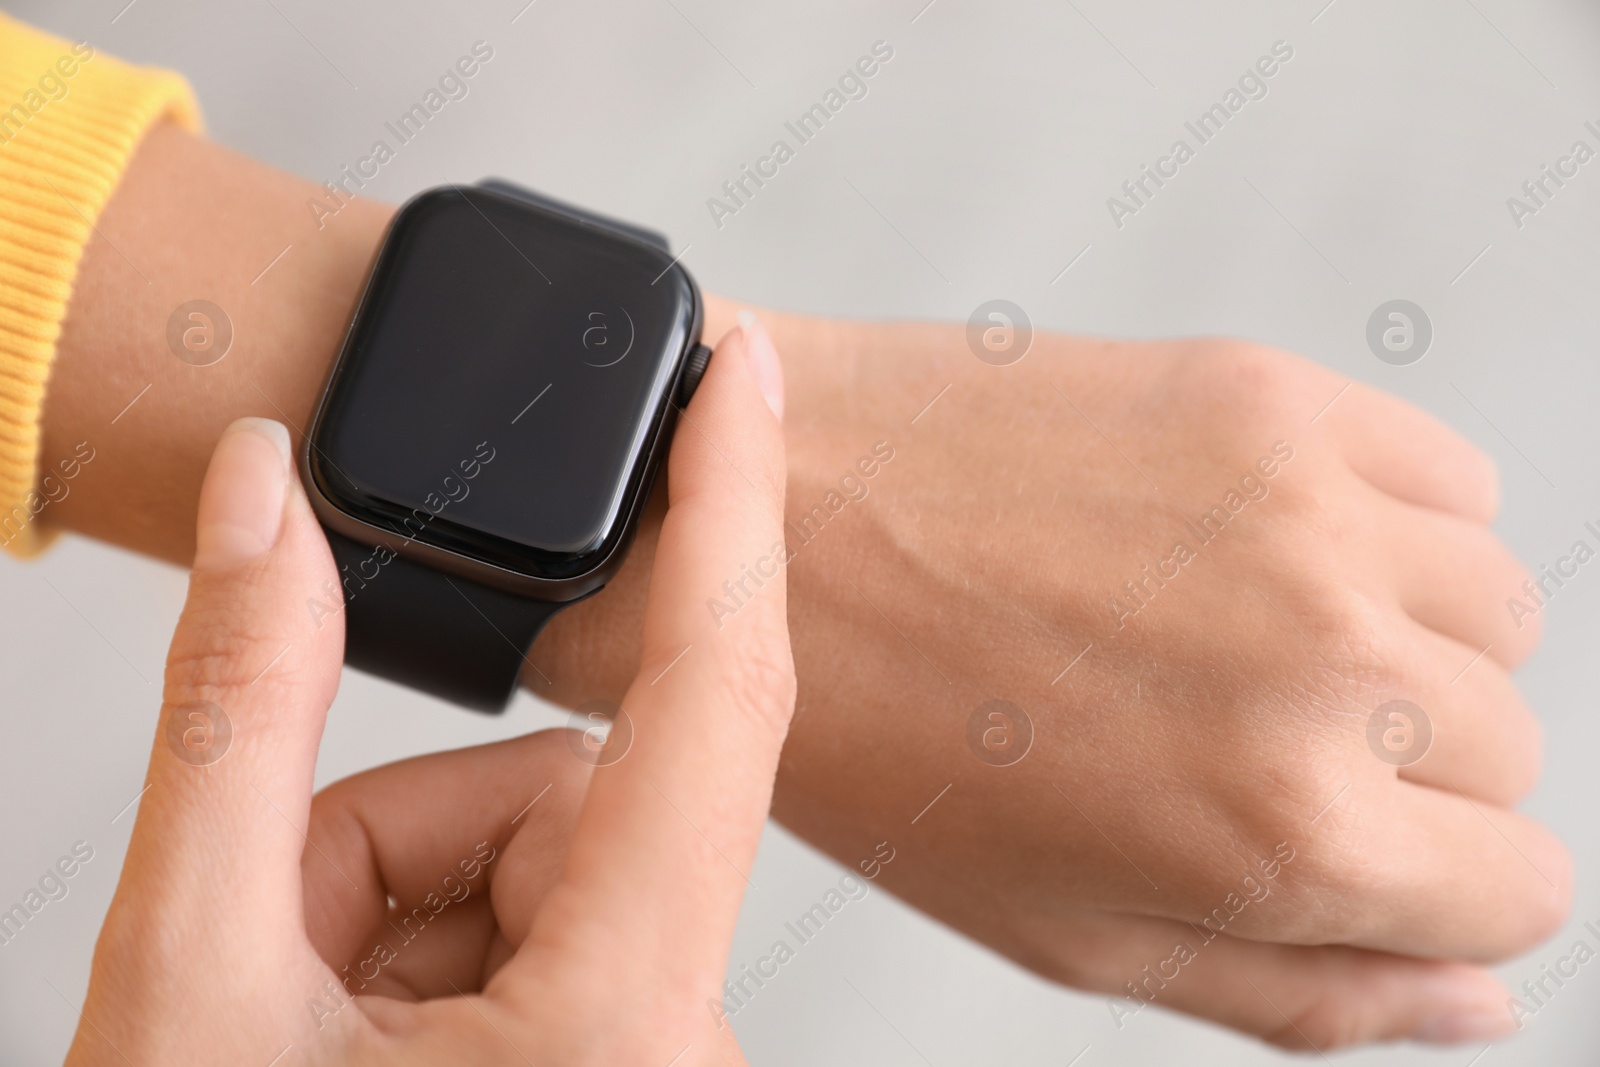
253	666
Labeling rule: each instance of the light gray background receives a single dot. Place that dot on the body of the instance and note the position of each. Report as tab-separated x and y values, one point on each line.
1381	162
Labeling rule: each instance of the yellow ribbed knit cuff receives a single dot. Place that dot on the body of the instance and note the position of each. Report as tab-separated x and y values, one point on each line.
70	120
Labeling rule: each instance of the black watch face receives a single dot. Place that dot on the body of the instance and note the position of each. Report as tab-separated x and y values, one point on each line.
504	383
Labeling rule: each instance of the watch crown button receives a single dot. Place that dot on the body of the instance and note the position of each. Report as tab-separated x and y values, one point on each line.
694	368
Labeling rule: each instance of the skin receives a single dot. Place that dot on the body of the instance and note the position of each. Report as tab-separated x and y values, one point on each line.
598	949
1222	725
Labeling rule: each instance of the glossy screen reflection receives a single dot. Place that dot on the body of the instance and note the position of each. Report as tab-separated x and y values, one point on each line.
504	383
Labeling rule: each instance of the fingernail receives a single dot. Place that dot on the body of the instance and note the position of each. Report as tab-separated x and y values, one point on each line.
1465	1025
764	364
241	503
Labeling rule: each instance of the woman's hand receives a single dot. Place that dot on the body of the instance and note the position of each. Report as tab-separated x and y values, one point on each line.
248	914
1179	716
1228	713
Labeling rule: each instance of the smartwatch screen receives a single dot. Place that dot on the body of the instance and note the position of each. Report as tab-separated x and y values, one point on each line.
504	383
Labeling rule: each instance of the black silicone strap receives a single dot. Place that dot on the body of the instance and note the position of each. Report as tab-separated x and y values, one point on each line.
457	639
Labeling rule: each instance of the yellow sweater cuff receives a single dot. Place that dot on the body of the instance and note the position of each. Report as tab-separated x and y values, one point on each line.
70	120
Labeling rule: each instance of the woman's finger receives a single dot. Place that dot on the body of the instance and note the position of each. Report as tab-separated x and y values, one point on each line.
1455	577
1474	733
677	802
450	855
1412	456
213	868
251	671
1312	998
1416	897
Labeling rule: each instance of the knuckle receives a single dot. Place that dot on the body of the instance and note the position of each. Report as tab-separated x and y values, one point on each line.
759	682
1366	640
1334	862
220	651
1335	883
208	654
1316	851
1318	532
1251	377
1340	645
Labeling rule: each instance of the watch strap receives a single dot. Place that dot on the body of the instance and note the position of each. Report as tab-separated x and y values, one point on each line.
451	637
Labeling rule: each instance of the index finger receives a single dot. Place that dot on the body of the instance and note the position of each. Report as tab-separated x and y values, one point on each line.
668	831
1413	456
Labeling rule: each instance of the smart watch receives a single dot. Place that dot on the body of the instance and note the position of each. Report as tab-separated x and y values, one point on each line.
492	427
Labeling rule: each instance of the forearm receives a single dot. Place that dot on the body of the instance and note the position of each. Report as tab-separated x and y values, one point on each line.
192	221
